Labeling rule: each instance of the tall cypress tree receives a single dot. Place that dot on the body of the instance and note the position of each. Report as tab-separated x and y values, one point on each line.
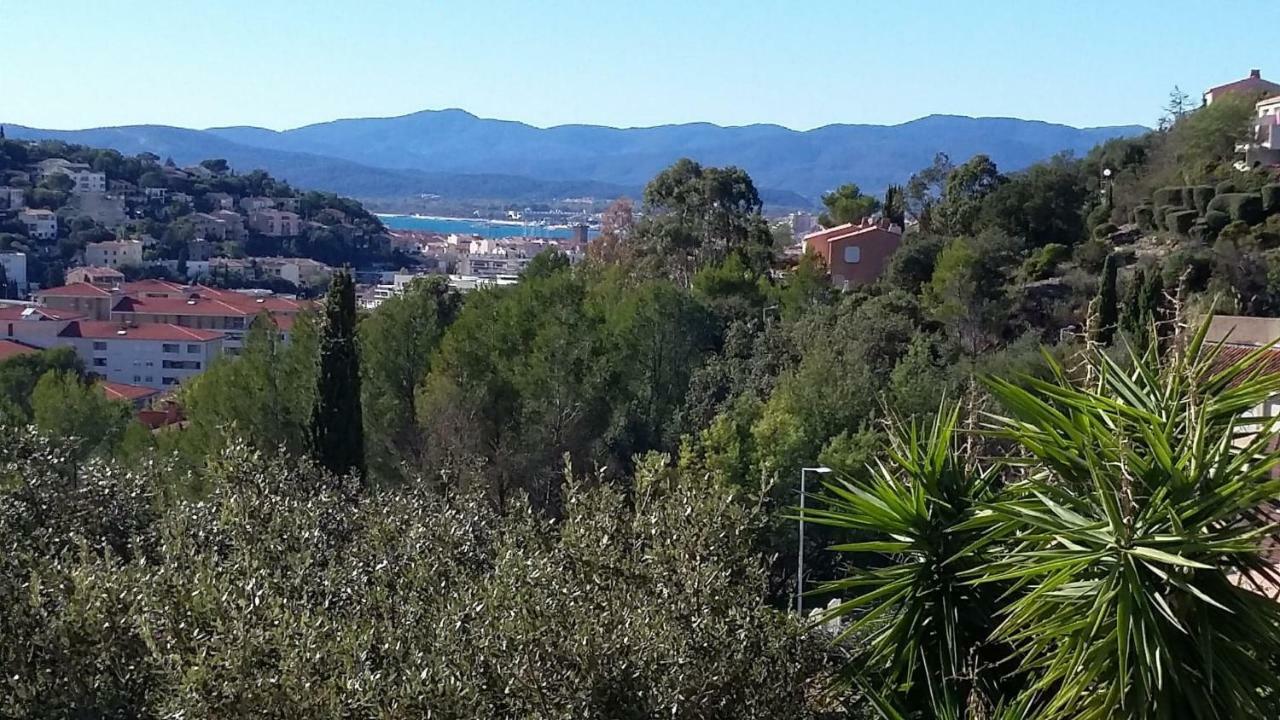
337	425
1108	302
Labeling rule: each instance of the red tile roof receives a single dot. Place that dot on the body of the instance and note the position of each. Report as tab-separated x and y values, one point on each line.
106	330
74	290
13	348
125	391
179	306
26	312
152	286
1253	83
840	232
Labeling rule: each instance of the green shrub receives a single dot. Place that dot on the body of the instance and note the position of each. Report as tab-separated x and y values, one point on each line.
1180	221
1044	261
1271	199
1170	196
1195	260
1200	197
1244	207
1105	229
1216	220
1226	186
1144	216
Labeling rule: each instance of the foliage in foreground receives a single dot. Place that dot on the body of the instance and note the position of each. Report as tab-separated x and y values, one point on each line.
286	594
1091	565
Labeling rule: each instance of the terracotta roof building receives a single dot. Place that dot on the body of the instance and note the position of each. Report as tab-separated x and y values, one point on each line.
1253	85
855	253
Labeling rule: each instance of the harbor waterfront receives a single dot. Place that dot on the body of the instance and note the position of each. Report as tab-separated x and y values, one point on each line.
482	228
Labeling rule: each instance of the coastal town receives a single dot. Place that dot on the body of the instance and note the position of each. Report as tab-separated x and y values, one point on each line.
426	413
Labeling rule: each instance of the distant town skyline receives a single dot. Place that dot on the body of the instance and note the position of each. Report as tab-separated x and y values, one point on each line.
83	63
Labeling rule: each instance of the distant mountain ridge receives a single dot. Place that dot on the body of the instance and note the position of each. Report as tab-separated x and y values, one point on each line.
456	154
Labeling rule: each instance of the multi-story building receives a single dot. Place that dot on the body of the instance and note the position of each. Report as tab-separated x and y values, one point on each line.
251	204
233	223
855	253
113	253
40	224
156	355
1264	147
156	194
15	270
299	271
275	223
492	265
87	181
221	200
206	226
12	198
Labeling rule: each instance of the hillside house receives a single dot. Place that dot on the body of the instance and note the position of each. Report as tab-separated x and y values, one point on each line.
855	253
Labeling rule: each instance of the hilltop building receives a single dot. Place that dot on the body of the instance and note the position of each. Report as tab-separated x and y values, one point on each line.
855	253
1253	85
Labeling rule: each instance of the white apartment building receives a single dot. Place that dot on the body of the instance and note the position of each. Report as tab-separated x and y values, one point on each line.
113	253
87	181
152	355
40	224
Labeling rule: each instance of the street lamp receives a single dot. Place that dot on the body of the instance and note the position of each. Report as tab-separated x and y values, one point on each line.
821	470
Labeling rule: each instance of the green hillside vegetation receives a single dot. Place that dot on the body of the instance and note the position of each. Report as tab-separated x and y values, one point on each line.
578	495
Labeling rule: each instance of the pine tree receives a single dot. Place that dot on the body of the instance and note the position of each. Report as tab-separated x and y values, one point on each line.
1108	303
895	209
337	427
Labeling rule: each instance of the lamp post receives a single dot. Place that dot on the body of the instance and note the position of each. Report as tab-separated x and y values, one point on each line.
821	470
1107	185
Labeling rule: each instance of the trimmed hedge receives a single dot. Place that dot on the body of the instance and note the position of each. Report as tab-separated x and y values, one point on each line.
1144	216
1200	232
1169	196
1161	212
1216	220
1271	199
1245	207
1105	229
1226	186
1200	196
1180	221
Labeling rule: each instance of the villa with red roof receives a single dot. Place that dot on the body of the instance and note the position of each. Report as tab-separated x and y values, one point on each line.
1253	85
855	253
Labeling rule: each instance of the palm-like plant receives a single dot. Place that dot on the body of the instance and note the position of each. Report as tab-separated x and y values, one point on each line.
923	625
1095	570
1140	499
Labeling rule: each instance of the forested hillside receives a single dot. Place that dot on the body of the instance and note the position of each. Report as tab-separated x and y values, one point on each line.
575	496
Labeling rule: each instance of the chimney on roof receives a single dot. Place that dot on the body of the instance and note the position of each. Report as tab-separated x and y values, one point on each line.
1255	74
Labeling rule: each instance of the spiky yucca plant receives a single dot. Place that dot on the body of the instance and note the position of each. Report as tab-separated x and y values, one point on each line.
923	626
1114	536
1141	498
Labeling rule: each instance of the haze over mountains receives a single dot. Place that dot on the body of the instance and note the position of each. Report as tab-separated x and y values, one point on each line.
458	155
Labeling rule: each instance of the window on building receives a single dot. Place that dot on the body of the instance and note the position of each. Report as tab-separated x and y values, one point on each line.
137	378
169	381
99	345
853	254
169	347
99	362
193	349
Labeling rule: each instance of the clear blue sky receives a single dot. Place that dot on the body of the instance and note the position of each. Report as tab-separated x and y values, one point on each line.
284	63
